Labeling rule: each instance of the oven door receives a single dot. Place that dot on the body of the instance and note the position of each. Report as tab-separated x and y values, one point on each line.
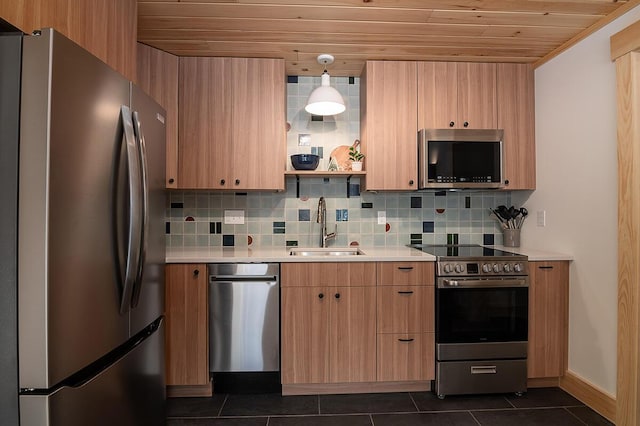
481	318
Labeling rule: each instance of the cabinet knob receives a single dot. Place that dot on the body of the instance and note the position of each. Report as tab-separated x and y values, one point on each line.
321	296
196	272
506	181
237	181
466	124
451	124
172	180
411	182
337	296
222	181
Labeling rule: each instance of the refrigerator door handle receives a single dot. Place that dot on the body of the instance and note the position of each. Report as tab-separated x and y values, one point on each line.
135	221
144	231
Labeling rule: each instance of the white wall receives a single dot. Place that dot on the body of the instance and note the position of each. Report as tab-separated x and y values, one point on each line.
577	187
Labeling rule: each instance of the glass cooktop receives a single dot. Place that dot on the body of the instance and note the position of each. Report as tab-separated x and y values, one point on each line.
462	251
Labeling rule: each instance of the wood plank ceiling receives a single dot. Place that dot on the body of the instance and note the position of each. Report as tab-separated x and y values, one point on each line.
353	31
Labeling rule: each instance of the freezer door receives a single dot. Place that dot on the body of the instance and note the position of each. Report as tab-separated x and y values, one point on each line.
148	294
10	55
70	147
129	393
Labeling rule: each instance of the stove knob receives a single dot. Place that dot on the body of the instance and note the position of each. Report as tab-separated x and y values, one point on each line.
517	267
486	268
459	268
447	268
507	267
496	268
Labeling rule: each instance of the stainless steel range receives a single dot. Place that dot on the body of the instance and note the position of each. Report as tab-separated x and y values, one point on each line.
481	320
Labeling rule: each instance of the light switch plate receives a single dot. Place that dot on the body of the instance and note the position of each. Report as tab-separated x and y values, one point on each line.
234	217
541	218
382	217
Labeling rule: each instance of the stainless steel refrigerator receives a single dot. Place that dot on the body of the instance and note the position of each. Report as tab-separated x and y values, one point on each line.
82	252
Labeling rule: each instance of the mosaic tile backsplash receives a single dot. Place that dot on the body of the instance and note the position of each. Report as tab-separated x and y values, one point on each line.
196	219
284	220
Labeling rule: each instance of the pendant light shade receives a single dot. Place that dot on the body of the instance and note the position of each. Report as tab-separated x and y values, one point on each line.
325	100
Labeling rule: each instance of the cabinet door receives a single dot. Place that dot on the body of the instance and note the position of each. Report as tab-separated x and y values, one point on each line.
305	334
353	334
437	95
476	96
516	105
406	356
548	318
389	125
259	120
205	101
187	349
158	76
405	309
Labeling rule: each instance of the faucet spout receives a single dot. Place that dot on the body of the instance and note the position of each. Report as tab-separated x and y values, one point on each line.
322	220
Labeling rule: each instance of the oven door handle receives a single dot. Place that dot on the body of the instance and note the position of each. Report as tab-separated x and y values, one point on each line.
483	283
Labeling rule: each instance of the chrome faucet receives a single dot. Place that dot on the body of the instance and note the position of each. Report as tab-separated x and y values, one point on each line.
322	219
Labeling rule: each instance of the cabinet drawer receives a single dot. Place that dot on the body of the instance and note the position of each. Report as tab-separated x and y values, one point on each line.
327	274
406	273
405	309
403	357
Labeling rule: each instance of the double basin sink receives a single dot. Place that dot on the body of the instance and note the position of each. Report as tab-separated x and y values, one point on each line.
330	251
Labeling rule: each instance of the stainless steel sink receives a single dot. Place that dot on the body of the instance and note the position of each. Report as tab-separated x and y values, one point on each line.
331	251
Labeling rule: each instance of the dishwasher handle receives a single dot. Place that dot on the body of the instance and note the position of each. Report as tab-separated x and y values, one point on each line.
214	278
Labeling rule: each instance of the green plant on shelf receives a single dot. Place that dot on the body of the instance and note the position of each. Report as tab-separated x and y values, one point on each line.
355	155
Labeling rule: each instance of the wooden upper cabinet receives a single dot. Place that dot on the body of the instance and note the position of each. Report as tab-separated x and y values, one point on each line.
259	122
548	318
388	125
457	95
107	29
516	115
187	332
158	77
231	124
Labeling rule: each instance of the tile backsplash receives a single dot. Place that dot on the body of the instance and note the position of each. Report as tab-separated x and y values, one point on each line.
197	218
282	219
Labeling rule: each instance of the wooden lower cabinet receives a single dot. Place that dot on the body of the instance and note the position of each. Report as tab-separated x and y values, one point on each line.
406	357
328	334
548	318
186	344
405	323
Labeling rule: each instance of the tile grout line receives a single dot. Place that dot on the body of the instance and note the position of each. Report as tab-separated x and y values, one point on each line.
222	405
579	419
414	402
474	418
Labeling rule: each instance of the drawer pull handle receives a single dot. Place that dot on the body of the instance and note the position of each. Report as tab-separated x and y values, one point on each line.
405	268
405	292
545	267
484	369
406	340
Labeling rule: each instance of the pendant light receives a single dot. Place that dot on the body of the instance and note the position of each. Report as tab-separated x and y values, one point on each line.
325	100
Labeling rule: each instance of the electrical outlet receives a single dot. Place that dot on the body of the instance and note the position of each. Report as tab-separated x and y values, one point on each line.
541	218
382	217
234	217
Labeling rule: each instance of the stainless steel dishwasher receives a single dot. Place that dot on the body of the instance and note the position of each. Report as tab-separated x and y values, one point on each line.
244	326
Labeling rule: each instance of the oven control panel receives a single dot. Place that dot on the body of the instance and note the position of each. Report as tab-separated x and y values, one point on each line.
490	267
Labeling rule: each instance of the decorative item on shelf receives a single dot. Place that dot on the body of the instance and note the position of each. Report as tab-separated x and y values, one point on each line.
325	100
341	155
333	166
305	161
356	158
511	221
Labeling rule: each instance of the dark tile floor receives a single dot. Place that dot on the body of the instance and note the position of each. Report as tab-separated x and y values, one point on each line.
546	407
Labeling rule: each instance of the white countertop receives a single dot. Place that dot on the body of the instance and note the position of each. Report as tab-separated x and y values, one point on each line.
371	254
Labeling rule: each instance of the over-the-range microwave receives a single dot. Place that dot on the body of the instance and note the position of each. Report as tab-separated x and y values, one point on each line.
460	159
